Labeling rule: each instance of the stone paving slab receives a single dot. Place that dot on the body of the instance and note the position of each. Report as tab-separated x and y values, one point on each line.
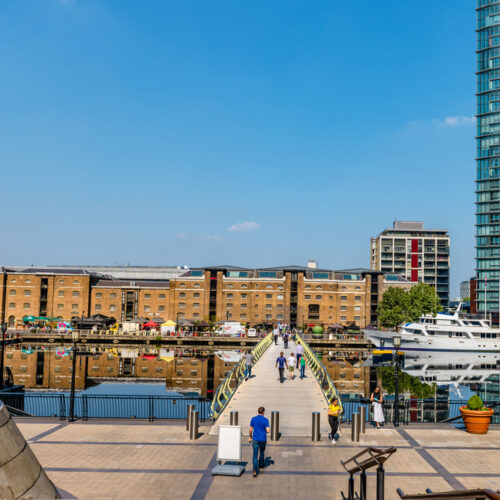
30	430
442	437
97	485
95	460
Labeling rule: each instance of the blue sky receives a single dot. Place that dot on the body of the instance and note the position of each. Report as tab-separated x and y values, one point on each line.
251	133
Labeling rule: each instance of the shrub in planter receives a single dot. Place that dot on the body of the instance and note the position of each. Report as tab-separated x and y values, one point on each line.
476	416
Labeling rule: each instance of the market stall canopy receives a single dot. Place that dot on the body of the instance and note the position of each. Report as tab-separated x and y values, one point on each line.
158	321
336	326
353	326
150	324
202	324
29	318
169	323
185	322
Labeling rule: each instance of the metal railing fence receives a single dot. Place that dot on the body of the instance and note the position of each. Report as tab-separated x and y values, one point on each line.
319	371
104	406
229	385
416	411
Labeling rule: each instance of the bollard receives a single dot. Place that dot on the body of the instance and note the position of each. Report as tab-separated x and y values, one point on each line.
193	427
233	418
355	427
315	426
190	408
362	419
275	425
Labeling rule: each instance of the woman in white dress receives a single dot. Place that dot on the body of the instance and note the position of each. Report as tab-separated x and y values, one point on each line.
378	413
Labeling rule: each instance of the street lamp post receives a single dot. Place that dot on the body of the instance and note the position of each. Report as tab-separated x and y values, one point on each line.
76	336
177	324
397	345
3	329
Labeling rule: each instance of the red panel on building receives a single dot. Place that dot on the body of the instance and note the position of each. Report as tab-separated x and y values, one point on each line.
414	245
414	260
414	274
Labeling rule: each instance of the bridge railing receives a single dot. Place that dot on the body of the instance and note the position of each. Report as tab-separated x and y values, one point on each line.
229	385
319	371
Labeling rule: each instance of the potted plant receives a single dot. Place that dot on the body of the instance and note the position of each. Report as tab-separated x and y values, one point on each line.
476	416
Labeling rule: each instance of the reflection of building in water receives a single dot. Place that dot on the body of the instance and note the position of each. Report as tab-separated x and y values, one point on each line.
349	376
46	369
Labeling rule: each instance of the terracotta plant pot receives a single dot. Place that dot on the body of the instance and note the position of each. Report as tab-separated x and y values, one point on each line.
476	421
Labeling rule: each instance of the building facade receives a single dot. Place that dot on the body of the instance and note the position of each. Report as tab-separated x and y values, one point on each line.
291	294
418	254
488	157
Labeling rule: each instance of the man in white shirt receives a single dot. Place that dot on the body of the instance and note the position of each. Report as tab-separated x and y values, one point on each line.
291	365
276	333
299	352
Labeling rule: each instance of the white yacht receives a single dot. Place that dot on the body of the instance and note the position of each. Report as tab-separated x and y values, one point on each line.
443	332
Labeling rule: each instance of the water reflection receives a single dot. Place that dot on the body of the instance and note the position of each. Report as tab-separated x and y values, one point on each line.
463	373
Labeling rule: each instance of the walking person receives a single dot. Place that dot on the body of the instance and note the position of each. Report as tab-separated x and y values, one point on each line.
276	333
281	363
248	365
258	431
299	352
291	366
302	365
378	412
333	418
285	339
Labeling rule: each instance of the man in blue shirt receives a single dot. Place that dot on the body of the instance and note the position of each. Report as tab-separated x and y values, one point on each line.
281	363
259	428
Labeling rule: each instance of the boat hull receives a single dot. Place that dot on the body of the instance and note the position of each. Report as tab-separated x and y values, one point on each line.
409	342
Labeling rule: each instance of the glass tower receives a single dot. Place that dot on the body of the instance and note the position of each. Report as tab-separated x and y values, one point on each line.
488	156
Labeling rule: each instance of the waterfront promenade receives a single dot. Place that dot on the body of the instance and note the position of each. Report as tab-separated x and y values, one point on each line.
294	399
125	459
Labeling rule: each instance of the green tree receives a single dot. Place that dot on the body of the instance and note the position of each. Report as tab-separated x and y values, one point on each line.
399	306
423	300
394	307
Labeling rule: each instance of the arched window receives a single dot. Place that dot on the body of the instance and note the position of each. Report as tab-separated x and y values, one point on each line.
76	282
62	282
12	321
344	288
27	280
358	288
12	292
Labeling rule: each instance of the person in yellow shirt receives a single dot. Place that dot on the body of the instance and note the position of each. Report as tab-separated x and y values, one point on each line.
334	411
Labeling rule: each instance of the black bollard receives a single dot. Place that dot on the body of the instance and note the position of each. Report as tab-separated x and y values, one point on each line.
193	428
315	426
190	408
233	418
355	427
275	425
362	486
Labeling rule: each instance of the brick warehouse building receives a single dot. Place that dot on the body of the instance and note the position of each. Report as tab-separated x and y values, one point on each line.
293	294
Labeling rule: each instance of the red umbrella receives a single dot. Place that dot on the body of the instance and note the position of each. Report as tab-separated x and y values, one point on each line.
150	324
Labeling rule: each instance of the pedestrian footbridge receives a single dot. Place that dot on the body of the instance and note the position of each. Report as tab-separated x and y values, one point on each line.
294	399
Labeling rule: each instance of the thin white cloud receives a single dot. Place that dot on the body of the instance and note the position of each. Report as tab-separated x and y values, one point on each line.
458	121
181	236
244	227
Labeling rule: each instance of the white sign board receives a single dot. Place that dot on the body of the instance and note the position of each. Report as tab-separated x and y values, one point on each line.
229	446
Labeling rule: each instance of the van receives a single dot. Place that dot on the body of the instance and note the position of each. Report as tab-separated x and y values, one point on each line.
231	328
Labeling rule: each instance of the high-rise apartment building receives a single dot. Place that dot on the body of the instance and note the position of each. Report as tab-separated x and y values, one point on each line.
418	254
488	156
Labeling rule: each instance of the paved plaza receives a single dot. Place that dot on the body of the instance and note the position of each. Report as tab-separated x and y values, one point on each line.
123	459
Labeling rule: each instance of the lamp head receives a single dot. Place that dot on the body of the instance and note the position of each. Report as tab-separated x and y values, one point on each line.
75	335
397	341
4	327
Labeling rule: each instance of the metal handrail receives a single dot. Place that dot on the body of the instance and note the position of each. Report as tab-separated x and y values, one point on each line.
233	379
319	371
367	458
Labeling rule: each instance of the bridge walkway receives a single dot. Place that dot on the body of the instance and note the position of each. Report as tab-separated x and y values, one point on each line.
294	399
